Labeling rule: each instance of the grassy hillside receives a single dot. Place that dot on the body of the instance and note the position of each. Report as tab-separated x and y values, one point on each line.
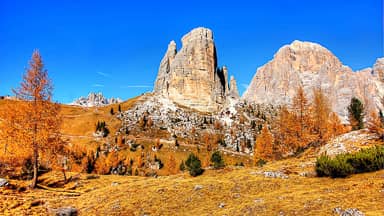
239	191
230	191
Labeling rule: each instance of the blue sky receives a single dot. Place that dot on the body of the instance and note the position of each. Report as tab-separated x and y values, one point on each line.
115	47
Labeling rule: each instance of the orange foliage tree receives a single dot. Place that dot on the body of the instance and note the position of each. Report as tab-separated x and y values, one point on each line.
300	107
39	120
10	134
375	124
172	164
335	126
264	145
321	111
286	131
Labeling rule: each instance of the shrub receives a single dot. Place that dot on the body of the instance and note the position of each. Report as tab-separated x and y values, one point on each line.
182	166
217	160
161	165
88	163
102	127
261	163
368	160
193	165
343	165
27	169
336	167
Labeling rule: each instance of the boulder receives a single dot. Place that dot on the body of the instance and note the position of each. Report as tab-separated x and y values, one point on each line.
66	211
3	182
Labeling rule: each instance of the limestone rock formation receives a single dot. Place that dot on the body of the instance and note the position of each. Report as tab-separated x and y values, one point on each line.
190	76
313	66
378	69
95	99
233	92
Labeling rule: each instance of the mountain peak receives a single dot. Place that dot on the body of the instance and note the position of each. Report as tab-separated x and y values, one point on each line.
190	76
306	45
95	100
312	66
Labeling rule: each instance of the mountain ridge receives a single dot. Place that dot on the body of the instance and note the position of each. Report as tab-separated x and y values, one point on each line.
95	100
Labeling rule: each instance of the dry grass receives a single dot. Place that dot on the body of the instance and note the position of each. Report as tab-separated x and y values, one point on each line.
241	190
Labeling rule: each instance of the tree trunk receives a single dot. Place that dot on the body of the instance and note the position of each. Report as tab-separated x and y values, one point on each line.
65	176
35	157
35	166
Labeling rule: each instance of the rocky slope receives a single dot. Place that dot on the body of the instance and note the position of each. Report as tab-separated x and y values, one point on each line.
313	66
95	100
191	76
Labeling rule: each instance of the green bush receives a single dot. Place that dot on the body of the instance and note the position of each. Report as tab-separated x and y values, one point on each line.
368	160
217	160
343	165
334	167
193	165
261	162
182	166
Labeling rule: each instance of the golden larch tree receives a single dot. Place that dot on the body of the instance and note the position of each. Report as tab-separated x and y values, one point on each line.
335	126
10	133
321	111
264	145
40	117
302	121
171	164
375	124
286	131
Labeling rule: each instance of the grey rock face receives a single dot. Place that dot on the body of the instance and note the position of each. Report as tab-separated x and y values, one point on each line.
312	66
378	69
233	92
190	76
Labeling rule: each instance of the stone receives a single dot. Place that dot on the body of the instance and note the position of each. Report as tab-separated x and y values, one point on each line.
3	182
191	76
198	187
311	65
115	183
348	212
272	174
259	200
66	211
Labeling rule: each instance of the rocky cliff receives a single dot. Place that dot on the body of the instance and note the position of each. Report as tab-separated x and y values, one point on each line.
190	76
95	99
313	66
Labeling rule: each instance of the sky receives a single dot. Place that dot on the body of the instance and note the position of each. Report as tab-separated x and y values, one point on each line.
115	47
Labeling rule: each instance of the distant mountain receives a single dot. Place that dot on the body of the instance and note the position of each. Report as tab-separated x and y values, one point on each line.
311	65
95	100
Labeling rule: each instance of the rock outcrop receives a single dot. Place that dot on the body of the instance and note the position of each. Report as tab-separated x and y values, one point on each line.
190	76
312	66
94	100
233	92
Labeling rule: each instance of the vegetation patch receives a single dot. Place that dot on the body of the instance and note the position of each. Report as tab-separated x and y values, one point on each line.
343	165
